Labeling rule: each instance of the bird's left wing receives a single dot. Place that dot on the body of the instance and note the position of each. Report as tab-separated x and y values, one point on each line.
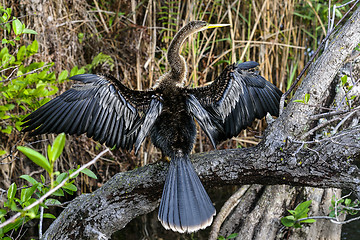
100	106
233	101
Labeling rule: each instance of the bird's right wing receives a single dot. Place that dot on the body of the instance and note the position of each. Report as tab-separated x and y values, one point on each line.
100	106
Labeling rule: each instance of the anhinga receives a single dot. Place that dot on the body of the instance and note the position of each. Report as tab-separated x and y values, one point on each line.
111	113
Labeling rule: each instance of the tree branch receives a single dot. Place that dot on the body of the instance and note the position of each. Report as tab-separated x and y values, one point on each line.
134	193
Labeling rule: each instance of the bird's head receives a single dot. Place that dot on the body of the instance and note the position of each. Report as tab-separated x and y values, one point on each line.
177	62
197	26
190	28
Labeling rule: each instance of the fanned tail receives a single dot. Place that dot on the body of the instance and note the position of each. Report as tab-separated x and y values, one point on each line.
185	206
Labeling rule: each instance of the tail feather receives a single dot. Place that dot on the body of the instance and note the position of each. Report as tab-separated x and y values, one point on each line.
185	205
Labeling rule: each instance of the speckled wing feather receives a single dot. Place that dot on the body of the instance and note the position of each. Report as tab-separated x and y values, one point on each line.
235	99
100	106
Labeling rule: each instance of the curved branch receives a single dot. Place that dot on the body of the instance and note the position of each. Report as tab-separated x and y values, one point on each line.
134	193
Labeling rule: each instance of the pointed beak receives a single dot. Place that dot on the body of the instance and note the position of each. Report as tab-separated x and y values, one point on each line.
216	25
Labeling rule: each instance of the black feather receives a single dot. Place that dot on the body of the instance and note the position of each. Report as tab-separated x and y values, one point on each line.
97	105
247	65
185	205
237	97
151	115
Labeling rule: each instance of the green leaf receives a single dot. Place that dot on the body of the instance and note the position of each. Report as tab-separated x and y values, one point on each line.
29	31
58	193
81	36
302	206
32	212
306	97
347	201
14	225
344	80
302	209
36	157
7	107
292	212
71	171
288	221
48	215
52	201
63	75
233	235
7	130
74	71
29	179
4	51
302	15
32	48
2	212
21	53
14	207
8	27
297	225
56	149
11	192
61	177
17	26
2	152
81	71
26	193
299	100
308	221
89	173
42	179
70	187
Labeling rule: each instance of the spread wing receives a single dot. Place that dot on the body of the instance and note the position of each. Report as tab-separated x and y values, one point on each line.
233	101
100	106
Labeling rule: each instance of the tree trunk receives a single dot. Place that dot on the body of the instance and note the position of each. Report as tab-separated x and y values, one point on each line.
258	214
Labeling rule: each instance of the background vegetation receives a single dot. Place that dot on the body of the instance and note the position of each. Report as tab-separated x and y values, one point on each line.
45	43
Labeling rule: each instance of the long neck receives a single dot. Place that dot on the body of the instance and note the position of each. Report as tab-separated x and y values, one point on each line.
177	62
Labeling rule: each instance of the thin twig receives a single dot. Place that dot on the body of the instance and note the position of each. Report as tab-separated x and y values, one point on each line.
101	16
333	113
342	122
311	131
40	200
336	204
31	72
291	140
41	221
345	144
332	219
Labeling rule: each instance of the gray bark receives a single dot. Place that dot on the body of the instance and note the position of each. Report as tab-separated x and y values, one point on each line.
134	193
275	161
258	215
